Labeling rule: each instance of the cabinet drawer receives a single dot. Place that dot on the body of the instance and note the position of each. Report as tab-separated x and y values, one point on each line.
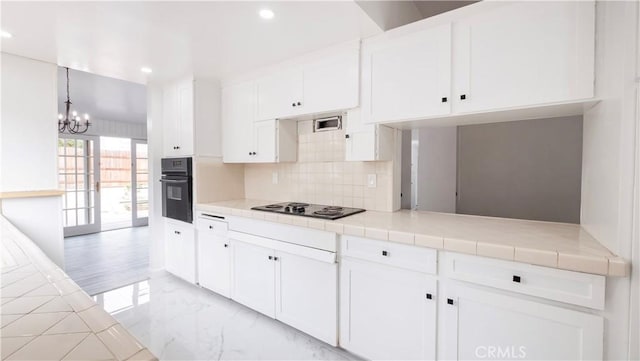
206	223
392	254
576	288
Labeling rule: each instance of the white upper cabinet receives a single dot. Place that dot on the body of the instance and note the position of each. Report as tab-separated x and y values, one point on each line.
280	94
247	140
191	118
524	53
331	82
321	82
486	57
238	115
367	142
407	77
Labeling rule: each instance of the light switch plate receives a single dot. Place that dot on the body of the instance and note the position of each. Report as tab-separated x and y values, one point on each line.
274	177
371	181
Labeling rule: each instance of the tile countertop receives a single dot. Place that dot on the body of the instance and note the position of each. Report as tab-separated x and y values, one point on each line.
46	316
557	245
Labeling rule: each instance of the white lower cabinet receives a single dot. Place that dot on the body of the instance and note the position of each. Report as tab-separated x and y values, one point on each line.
214	256
254	277
306	295
386	312
297	290
180	250
478	324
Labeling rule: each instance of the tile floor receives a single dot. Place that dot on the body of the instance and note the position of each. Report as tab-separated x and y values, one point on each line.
179	321
103	261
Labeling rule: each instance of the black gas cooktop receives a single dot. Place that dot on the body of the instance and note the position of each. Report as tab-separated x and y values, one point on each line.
309	210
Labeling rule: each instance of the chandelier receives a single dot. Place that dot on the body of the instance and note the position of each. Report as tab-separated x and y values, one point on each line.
71	122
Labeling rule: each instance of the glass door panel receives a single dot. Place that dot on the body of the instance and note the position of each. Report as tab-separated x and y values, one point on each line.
140	182
77	172
116	162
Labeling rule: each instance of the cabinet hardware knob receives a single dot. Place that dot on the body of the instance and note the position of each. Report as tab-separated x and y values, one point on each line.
516	279
346	136
429	296
293	104
385	253
226	245
463	96
449	301
299	104
444	99
270	257
177	232
210	227
275	258
178	147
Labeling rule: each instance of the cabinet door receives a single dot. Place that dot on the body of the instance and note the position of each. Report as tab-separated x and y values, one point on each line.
180	251
254	277
214	262
407	77
264	141
184	99
332	83
238	115
169	121
172	252
306	295
279	94
524	53
385	312
480	324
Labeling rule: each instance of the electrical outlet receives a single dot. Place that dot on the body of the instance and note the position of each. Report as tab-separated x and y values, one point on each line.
371	180
274	177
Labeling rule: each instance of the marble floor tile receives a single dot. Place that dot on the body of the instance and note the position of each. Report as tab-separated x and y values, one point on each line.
177	320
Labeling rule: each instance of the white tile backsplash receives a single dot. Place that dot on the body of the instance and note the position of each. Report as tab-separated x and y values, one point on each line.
322	175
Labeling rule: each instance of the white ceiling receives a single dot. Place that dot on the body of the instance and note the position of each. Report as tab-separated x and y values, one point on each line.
213	39
103	98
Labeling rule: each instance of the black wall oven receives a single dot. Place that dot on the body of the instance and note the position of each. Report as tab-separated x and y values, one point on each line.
177	189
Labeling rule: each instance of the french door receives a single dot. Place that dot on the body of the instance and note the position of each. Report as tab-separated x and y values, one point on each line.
140	182
78	176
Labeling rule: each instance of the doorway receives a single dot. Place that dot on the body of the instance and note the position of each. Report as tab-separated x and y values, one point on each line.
106	183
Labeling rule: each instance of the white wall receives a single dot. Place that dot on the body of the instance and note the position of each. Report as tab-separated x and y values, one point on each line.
154	132
634	339
113	128
526	169
436	169
28	151
608	160
29	125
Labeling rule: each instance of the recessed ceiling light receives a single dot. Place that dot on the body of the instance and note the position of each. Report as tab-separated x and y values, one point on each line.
6	34
266	14
145	69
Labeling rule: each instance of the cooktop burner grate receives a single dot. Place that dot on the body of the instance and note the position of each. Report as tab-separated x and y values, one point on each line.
327	212
273	206
298	204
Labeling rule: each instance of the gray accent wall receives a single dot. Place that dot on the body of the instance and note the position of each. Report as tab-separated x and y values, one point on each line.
529	169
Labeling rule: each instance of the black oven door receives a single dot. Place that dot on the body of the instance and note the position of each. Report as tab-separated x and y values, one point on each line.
177	198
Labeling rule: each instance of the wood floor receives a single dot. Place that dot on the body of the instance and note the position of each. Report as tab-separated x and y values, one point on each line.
104	261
